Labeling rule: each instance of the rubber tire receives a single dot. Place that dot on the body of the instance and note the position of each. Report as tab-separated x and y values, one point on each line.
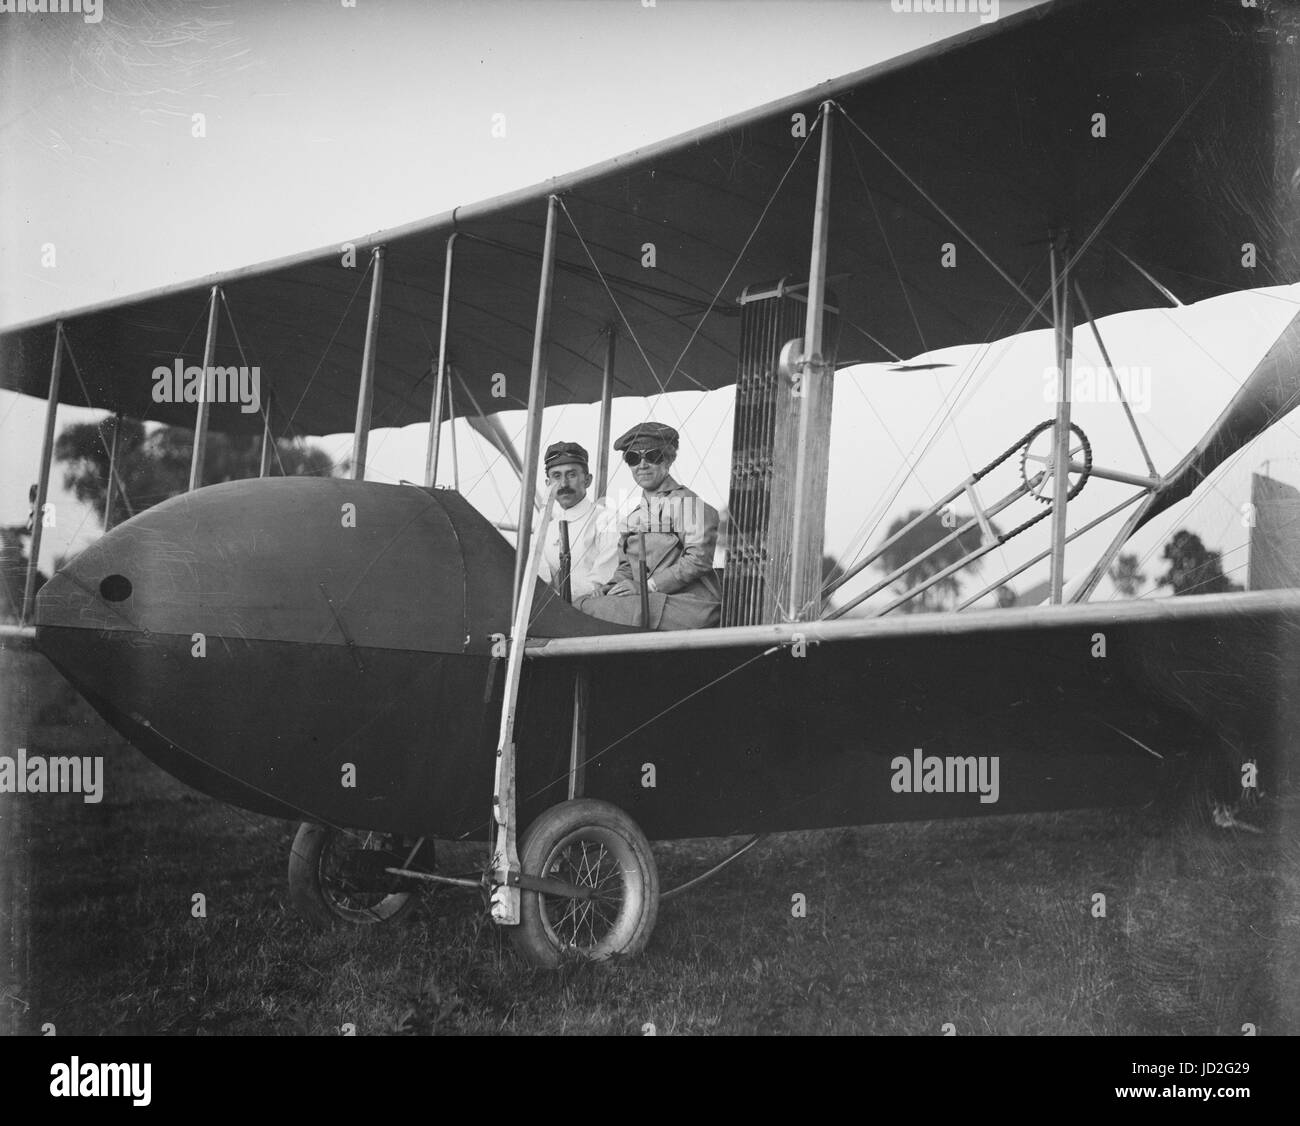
533	938
312	901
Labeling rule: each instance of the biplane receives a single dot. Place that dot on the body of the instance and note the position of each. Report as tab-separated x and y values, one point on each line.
381	664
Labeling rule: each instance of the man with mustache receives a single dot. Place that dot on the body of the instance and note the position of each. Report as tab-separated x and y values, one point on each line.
673	532
590	530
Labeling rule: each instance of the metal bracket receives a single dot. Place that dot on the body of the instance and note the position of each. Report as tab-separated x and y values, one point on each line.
792	365
987	534
343	629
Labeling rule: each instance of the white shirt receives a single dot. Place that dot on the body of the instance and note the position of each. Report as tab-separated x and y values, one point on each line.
593	546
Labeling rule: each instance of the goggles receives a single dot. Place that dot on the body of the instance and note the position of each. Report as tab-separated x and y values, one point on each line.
635	457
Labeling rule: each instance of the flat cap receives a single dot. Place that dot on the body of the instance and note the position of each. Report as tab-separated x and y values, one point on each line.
565	453
648	434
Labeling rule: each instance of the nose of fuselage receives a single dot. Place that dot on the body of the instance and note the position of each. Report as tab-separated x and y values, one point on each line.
313	561
107	596
125	576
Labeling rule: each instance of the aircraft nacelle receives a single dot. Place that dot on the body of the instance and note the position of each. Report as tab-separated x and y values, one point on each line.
301	646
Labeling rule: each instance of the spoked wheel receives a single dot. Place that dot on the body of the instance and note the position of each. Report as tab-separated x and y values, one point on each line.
337	876
591	845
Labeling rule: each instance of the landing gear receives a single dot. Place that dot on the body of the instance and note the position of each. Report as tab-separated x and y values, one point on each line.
596	847
337	876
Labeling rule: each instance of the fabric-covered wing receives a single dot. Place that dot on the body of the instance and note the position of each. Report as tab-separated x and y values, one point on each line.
990	137
1271	391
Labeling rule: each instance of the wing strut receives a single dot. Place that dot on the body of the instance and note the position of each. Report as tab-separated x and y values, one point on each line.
43	480
206	391
1063	321
536	400
606	403
440	378
451	432
268	439
812	381
366	392
112	468
505	855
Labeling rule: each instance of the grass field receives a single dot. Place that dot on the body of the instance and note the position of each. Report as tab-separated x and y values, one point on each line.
987	925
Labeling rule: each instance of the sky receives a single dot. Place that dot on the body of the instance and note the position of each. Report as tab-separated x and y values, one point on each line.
324	122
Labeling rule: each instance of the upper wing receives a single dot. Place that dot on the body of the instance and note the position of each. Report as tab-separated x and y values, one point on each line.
1173	122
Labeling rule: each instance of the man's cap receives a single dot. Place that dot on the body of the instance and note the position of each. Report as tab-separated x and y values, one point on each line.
565	453
647	434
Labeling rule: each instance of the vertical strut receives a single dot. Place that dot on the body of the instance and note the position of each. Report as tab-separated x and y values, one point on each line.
268	441
606	404
505	854
205	394
536	398
43	477
581	679
1062	315
366	393
440	375
812	375
578	739
112	471
451	433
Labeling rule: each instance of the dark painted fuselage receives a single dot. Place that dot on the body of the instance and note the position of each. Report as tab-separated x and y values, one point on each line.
324	650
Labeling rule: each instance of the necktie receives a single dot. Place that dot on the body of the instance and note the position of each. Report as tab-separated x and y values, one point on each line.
566	560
